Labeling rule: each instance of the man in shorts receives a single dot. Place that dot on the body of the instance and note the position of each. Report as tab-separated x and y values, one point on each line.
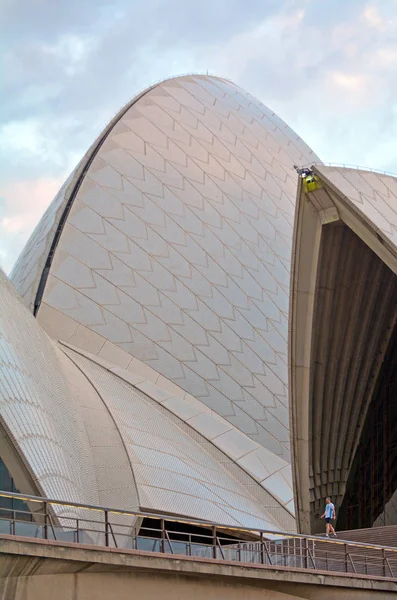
329	515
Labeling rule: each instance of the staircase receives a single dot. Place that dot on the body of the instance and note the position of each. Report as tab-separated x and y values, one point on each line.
365	558
384	536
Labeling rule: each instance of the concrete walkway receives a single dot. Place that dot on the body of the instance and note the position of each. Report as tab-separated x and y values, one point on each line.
47	570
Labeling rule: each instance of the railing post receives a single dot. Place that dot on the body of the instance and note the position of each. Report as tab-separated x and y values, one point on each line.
162	536
352	564
304	547
390	569
13	531
77	532
171	549
311	557
45	521
214	541
106	528
269	558
384	562
134	539
262	550
346	558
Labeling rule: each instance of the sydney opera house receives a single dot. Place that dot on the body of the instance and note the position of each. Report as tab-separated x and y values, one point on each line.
204	324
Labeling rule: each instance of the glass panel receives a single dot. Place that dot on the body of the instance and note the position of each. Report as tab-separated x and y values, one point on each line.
177	547
86	538
149	544
28	529
61	534
7	484
5	526
202	551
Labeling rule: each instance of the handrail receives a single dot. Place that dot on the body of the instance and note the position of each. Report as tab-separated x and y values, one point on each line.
206	540
348	166
257	532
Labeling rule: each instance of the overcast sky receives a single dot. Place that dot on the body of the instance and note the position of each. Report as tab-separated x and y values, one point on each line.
327	67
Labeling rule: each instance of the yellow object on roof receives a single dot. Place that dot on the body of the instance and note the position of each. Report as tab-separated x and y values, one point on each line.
311	183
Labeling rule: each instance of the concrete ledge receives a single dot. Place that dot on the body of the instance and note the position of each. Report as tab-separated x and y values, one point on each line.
24	557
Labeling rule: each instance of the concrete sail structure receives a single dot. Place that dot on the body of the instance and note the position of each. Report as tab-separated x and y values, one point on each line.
78	429
343	347
172	241
161	274
167	366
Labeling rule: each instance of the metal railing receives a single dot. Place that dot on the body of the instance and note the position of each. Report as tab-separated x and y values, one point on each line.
86	524
348	166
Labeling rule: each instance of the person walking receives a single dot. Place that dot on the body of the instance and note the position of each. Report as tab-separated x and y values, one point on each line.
329	516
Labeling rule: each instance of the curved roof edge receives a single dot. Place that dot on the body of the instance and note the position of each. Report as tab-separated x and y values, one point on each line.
345	231
143	416
271	472
69	190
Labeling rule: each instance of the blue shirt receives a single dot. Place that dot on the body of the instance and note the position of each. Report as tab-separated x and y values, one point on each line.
329	510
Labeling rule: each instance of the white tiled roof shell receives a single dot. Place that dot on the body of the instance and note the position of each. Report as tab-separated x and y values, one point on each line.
177	249
373	194
26	272
56	421
86	436
113	472
37	407
247	461
173	472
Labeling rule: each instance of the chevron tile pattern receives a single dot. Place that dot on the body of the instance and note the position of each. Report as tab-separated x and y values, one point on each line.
177	249
374	194
172	470
27	270
248	462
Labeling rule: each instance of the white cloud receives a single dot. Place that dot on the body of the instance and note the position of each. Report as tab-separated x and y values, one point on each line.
23	203
354	83
71	52
374	18
327	67
386	57
22	136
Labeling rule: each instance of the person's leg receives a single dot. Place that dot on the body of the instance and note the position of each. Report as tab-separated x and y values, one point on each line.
331	528
326	527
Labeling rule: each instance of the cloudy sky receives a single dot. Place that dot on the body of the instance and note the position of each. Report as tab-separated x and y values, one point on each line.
327	67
